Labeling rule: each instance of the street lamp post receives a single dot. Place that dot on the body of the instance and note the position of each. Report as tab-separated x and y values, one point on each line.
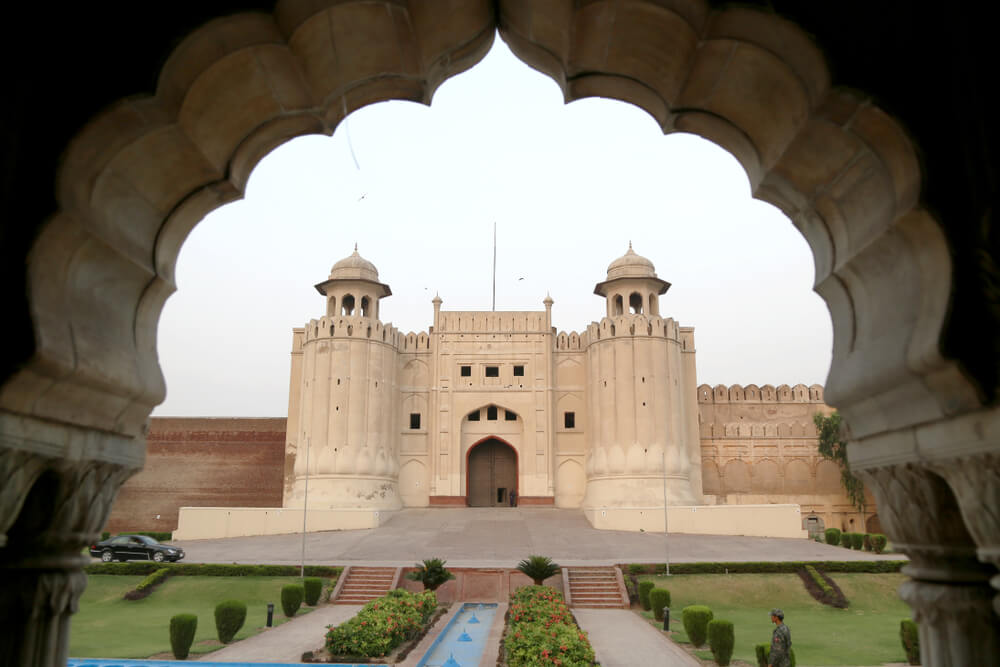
666	537
305	508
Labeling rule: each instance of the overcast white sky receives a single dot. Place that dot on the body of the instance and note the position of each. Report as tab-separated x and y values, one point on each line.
568	186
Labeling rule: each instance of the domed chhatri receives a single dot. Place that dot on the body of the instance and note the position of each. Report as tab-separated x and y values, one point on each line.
354	267
631	265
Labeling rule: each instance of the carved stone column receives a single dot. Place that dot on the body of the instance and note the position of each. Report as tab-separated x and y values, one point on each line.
949	591
975	481
57	508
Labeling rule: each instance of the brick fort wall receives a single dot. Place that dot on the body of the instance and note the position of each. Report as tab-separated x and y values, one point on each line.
202	462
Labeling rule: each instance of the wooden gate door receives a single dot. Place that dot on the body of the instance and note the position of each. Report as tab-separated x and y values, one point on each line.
492	474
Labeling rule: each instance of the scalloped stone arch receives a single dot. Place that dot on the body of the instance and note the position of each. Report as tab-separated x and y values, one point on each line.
140	175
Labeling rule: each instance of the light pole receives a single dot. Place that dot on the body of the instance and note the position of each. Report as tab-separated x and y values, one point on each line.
666	537
305	508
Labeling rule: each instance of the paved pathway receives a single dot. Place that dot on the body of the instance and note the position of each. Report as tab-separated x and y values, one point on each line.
500	537
287	642
622	639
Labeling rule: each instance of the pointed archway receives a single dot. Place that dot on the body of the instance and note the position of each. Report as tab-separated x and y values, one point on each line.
491	477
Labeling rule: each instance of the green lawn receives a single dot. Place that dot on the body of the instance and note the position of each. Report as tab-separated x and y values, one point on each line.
109	627
866	633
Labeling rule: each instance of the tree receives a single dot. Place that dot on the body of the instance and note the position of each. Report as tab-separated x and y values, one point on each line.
431	573
833	447
538	568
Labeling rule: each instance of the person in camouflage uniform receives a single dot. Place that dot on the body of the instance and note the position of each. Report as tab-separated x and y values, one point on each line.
781	641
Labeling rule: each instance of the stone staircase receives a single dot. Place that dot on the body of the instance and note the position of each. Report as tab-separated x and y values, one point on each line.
359	585
595	587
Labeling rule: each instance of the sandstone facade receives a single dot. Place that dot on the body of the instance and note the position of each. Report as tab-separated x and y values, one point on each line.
491	408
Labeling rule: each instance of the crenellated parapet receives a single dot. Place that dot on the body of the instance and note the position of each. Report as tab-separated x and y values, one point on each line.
522	321
631	326
751	393
414	342
569	342
345	326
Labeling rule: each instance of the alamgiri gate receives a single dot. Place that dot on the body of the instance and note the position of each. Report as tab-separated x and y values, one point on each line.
498	409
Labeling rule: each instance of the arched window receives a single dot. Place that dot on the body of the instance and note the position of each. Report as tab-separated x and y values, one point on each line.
618	305
635	303
364	306
347	305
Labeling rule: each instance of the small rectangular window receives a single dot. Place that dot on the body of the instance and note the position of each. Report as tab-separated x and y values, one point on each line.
509	416
414	420
492	371
474	416
466	371
569	419
518	371
491	413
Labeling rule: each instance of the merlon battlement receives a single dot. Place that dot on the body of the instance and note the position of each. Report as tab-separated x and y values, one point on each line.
751	393
522	321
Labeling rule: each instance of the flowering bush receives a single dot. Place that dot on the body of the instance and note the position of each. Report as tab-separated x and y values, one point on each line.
541	631
382	624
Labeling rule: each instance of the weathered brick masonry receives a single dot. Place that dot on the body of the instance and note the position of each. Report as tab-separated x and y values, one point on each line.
199	461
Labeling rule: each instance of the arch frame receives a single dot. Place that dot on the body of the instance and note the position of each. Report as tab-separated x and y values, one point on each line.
468	458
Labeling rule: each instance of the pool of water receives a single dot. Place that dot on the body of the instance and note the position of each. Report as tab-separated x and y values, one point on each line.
108	662
463	640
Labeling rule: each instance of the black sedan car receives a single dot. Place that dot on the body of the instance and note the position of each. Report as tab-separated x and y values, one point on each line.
135	547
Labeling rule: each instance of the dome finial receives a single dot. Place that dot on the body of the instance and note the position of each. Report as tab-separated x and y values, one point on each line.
629	244
356	246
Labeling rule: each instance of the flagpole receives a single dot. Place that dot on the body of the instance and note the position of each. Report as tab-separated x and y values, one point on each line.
494	267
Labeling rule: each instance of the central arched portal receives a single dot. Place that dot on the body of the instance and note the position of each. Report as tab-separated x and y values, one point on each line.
492	474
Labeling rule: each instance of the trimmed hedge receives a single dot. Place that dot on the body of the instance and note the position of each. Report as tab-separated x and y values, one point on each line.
659	598
212	569
721	639
313	588
763	652
878	542
822	587
145	587
857	541
832	536
291	598
182	629
845	540
382	625
696	619
910	636
230	616
787	567
644	588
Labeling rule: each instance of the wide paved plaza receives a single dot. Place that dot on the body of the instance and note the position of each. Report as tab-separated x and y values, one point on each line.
488	537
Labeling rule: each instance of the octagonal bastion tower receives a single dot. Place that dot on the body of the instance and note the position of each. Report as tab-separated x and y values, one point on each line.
641	390
344	406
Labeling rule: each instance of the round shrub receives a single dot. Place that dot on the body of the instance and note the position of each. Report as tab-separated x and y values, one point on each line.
721	640
845	540
644	588
878	542
313	587
832	536
182	629
696	619
291	598
910	637
764	655
857	541
867	542
658	599
229	618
